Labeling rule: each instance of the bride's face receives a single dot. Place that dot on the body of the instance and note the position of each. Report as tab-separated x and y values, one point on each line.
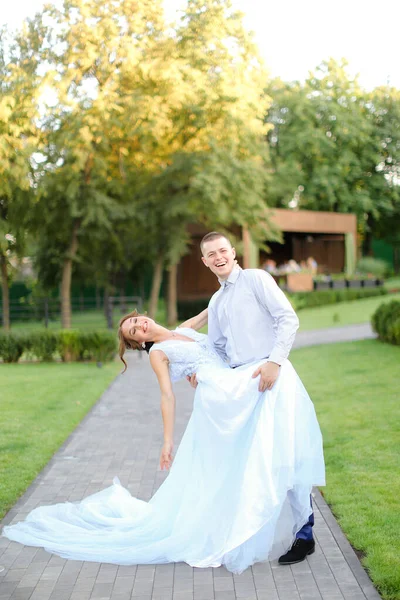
140	329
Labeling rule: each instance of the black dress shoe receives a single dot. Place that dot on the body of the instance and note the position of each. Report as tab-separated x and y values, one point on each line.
298	552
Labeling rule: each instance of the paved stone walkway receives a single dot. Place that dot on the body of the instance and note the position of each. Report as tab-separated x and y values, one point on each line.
122	436
350	333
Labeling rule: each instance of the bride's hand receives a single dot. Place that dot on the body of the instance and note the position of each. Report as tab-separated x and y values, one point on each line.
166	456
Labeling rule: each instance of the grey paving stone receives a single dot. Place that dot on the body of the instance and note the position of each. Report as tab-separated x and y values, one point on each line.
223	584
7	587
82	595
225	595
84	584
162	594
123	585
205	592
14	575
22	593
182	596
101	590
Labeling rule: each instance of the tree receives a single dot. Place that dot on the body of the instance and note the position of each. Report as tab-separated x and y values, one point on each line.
333	147
132	103
19	90
384	108
217	130
103	124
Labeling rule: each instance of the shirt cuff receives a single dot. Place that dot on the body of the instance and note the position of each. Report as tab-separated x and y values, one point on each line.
276	357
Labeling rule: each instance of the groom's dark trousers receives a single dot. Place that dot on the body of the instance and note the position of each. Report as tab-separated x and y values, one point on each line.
305	533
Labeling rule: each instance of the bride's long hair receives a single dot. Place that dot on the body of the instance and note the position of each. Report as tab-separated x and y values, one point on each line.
125	344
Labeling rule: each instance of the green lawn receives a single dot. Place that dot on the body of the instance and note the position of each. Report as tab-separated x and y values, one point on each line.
355	389
344	313
40	405
393	283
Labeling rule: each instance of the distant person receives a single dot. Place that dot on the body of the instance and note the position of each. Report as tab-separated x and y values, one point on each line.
312	265
270	266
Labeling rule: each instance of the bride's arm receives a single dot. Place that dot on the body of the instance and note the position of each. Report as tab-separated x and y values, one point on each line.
198	321
159	363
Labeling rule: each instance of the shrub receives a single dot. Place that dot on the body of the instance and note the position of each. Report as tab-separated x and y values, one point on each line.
98	346
372	266
43	344
299	300
324	297
69	345
386	322
11	347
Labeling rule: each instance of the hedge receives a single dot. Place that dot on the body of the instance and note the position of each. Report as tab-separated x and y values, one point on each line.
324	297
386	322
299	300
69	345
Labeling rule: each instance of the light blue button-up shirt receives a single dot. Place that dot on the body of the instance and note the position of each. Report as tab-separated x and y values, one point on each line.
250	318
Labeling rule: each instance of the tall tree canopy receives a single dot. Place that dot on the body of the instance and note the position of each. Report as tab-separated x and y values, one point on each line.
19	139
136	101
334	146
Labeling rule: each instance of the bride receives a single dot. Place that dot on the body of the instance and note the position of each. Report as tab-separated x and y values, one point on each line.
225	500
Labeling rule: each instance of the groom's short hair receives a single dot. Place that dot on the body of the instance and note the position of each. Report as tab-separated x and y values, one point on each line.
213	235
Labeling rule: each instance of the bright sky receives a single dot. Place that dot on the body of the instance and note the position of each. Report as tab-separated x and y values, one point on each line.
296	35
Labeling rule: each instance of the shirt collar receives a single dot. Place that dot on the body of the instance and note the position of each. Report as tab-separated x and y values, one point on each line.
232	277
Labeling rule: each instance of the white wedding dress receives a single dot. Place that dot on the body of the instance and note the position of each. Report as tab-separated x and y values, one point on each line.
238	490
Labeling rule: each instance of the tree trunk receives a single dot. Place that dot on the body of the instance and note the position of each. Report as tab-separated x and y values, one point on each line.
5	292
66	279
156	285
172	295
367	244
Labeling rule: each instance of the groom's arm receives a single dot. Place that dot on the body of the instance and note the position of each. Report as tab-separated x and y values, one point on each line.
271	297
196	322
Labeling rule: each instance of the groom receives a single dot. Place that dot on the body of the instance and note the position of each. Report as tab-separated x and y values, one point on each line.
250	319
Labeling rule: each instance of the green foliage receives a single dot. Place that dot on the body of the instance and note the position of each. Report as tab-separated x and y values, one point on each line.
324	297
373	266
42	344
336	147
19	91
299	300
386	322
359	414
12	347
151	131
41	404
98	346
70	345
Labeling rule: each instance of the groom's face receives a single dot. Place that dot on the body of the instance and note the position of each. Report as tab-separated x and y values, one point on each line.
219	257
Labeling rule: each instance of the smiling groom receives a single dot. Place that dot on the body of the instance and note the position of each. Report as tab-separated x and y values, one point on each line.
250	319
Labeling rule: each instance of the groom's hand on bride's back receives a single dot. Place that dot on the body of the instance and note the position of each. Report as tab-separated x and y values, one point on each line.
192	379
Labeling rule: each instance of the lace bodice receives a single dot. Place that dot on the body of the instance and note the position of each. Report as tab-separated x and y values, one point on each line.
186	358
